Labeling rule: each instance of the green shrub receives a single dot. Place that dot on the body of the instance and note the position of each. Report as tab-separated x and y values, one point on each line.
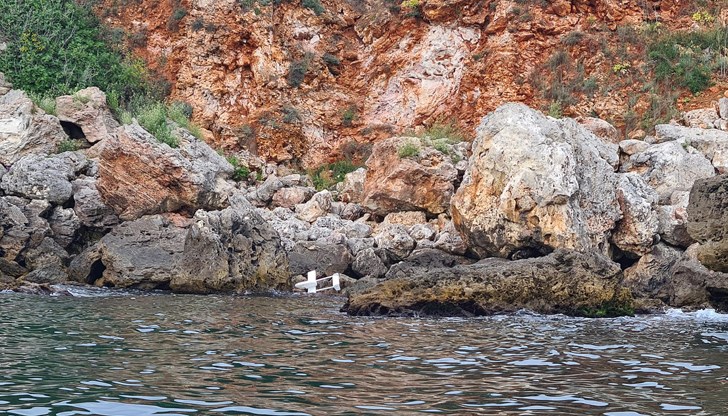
689	59
113	101
590	86
573	38
555	109
331	60
198	24
408	150
445	130
240	172
349	115
55	47
441	146
154	119
314	5
413	8
44	102
290	114
68	146
80	98
178	14
332	63
328	175
297	72
126	118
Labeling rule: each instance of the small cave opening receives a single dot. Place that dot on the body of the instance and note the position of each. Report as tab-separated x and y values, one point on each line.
530	252
70	203
718	297
73	130
625	259
96	271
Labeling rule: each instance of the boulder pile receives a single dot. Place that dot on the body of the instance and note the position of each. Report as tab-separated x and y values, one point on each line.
552	215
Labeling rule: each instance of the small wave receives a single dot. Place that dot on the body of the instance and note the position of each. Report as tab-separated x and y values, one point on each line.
699	315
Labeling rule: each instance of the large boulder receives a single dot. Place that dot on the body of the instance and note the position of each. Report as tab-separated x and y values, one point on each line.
562	282
65	225
326	258
46	263
673	220
318	206
395	239
90	209
637	231
702	118
231	250
143	253
351	188
693	286
708	221
669	167
601	129
23	224
87	111
25	129
368	263
535	184
44	177
712	143
648	277
138	175
396	181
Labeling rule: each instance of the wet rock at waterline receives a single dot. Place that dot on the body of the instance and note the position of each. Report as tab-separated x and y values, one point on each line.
231	250
563	282
143	253
708	221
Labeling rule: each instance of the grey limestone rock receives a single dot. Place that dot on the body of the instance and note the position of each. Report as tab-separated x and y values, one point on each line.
322	257
44	177
637	230
231	250
89	207
514	200
368	263
708	221
318	206
25	129
65	225
394	238
142	253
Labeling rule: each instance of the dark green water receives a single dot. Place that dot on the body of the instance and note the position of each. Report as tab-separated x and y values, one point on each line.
180	355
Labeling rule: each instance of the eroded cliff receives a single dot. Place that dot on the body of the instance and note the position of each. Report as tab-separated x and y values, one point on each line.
309	82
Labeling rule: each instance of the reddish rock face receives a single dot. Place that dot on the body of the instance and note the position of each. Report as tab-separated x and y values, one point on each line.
140	176
420	182
369	69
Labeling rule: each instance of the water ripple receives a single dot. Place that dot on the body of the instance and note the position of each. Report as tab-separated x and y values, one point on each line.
151	354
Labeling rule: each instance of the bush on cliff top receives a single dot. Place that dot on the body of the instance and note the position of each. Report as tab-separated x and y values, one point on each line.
689	59
57	47
328	175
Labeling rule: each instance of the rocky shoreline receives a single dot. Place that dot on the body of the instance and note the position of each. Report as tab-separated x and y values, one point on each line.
552	215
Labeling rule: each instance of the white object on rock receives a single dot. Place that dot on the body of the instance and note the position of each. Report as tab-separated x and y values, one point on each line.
311	283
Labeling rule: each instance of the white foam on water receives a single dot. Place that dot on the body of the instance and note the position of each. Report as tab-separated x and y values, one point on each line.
702	315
